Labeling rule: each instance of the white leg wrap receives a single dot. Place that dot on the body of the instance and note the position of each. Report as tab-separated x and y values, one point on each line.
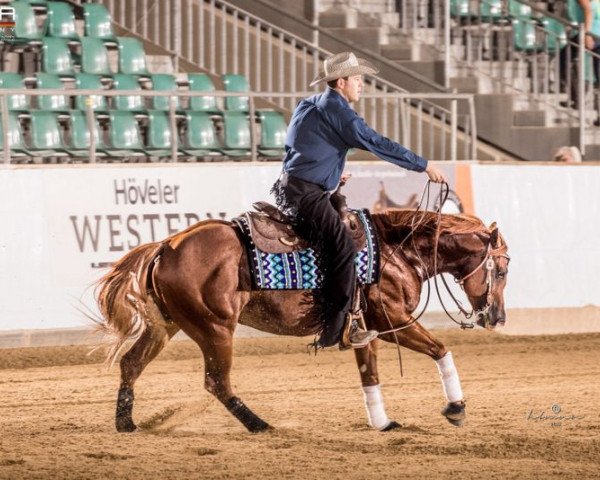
375	410
449	376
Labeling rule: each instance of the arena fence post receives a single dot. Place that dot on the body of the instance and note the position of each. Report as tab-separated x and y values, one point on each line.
252	114
173	128
89	116
453	127
5	127
581	87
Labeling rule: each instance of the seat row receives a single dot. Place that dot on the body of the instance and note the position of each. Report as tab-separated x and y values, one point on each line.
60	22
53	135
198	82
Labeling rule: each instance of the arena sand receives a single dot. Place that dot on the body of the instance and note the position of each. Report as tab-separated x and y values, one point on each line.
57	412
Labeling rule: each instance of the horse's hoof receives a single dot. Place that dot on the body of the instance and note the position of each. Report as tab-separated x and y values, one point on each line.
259	427
455	413
125	425
391	426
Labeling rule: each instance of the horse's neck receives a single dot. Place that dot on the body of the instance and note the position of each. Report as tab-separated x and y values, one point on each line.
452	257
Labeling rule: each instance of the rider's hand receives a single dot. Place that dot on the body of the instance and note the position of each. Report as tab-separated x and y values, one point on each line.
345	178
435	174
589	42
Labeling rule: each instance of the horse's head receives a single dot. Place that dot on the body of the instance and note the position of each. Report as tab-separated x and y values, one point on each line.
484	285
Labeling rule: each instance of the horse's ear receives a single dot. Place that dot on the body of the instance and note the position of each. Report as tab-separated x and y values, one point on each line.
494	235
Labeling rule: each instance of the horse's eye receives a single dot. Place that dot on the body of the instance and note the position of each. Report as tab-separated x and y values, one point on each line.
501	274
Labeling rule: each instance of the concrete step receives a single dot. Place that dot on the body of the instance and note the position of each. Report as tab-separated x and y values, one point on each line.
465	84
434	70
397	51
592	152
367	37
529	118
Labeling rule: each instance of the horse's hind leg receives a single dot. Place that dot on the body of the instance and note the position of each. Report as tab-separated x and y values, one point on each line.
366	358
218	352
144	350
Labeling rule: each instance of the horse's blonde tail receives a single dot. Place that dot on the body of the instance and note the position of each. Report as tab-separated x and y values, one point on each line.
123	300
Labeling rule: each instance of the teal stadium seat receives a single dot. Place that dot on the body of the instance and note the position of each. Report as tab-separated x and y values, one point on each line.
15	137
27	30
524	35
89	81
461	9
555	33
163	82
159	138
124	137
19	102
491	10
236	83
132	103
54	103
132	58
46	138
60	21
56	57
80	136
98	22
200	82
237	141
272	133
94	57
201	138
519	10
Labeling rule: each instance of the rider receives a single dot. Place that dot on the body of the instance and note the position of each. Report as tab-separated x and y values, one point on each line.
322	130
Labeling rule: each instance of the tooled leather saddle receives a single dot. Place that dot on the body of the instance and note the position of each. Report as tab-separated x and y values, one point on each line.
272	232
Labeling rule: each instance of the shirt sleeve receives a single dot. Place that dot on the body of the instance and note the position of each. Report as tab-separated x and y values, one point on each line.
358	134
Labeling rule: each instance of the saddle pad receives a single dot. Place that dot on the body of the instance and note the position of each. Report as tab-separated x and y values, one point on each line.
300	270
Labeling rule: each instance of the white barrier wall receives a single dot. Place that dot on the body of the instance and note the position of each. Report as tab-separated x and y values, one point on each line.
61	226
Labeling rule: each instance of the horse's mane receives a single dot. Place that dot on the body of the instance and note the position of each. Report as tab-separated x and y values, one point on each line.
403	220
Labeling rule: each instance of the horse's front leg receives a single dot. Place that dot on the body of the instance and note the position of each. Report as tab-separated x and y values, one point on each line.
366	358
420	340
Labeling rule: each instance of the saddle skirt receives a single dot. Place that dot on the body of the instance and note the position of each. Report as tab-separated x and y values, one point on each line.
281	260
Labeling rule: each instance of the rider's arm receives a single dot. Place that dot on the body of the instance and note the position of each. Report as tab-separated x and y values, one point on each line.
358	134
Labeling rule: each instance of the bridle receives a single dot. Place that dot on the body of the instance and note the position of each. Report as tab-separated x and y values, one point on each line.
489	263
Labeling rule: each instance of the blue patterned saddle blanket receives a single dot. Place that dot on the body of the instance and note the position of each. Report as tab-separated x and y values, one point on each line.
295	268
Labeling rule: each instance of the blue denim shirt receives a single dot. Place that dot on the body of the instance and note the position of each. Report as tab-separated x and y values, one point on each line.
322	130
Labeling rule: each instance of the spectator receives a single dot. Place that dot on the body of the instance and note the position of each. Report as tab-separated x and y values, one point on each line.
568	155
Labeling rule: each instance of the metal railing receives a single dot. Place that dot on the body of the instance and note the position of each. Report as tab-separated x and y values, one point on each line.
537	58
428	129
218	37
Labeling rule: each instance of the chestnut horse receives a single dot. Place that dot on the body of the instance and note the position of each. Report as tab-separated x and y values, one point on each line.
199	281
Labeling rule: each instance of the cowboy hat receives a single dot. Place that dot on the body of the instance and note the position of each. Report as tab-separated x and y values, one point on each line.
343	64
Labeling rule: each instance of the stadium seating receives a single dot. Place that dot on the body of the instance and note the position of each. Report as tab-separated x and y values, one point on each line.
46	138
98	22
132	58
524	35
14	80
54	103
236	83
48	127
556	35
94	57
163	82
237	142
56	57
491	10
80	136
27	30
127	102
200	138
124	136
90	81
159	136
273	132
519	10
201	82
61	21
15	137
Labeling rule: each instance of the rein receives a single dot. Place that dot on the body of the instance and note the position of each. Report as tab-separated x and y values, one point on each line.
488	262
